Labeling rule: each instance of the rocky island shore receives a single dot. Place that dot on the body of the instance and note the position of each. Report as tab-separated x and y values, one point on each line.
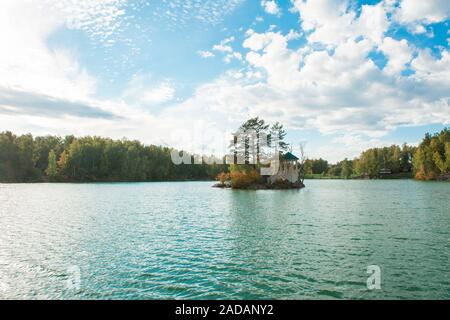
279	185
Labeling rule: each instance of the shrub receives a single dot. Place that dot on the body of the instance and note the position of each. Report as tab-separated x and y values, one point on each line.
223	177
420	175
242	180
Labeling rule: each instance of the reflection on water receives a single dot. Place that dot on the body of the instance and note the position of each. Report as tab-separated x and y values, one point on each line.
188	240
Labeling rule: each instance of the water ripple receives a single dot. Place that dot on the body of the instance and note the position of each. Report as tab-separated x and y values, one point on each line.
190	241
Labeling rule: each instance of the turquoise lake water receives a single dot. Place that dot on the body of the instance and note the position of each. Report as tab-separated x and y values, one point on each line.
190	241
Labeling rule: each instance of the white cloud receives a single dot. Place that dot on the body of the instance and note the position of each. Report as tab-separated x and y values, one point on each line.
373	22
47	91
333	87
234	55
430	11
398	53
100	20
142	92
206	54
269	51
17	102
430	69
39	84
349	147
228	40
159	94
331	22
29	65
337	92
178	13
292	35
224	47
419	29
327	21
416	14
271	7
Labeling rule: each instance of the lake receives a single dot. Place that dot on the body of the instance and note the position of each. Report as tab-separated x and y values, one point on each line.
187	240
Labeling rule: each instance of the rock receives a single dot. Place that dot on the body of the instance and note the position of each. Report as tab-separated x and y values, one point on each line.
220	185
279	185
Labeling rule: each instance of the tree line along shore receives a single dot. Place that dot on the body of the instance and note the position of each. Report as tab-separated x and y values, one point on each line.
24	158
430	160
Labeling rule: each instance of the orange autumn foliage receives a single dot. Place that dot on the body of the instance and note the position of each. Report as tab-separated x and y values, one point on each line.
242	180
223	177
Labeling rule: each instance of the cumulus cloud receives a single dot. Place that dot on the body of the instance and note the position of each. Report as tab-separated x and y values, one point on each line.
340	92
431	11
225	47
269	52
416	15
373	22
271	7
331	22
327	21
432	70
40	83
398	53
330	83
222	48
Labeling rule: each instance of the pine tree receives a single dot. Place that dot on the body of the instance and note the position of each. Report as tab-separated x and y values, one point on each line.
277	135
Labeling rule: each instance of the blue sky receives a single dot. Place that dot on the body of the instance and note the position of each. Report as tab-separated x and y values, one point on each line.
341	75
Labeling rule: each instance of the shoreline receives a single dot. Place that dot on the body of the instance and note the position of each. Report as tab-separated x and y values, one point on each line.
105	182
211	180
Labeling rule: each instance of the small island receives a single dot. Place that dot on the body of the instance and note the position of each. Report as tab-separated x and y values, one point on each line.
288	177
260	159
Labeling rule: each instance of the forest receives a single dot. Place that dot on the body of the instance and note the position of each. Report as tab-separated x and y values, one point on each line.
26	158
395	159
90	159
428	161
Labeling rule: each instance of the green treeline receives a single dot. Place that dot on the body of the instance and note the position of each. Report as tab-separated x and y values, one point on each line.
50	158
432	157
429	161
393	159
88	159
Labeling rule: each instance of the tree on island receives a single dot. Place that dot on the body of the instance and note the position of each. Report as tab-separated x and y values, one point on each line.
255	144
276	137
247	140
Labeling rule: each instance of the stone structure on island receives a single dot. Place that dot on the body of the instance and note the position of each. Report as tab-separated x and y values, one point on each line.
288	169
